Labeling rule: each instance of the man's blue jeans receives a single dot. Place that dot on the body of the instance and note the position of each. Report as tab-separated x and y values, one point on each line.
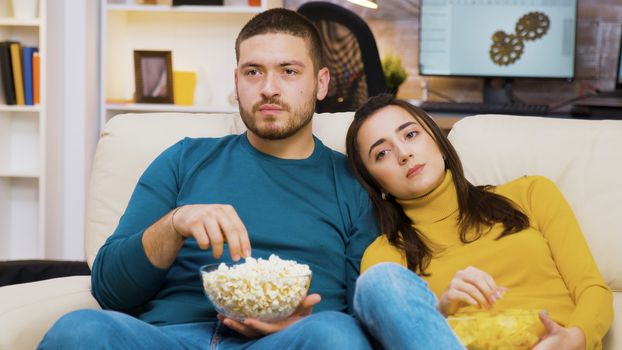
394	304
97	329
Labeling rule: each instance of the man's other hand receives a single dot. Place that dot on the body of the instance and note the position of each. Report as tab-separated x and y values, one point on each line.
252	328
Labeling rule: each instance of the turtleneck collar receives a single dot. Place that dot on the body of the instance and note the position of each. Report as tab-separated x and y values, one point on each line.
434	206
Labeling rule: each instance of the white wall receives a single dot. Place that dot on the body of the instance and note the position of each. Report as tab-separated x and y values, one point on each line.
72	126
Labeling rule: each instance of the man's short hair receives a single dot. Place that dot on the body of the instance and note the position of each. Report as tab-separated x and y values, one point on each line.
280	20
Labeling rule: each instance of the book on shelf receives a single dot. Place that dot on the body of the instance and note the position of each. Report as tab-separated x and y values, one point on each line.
36	79
18	79
19	71
27	67
6	70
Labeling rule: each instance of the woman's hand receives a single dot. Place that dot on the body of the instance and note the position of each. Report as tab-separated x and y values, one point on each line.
252	328
558	337
470	286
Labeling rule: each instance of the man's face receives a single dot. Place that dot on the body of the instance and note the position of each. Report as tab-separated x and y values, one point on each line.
276	85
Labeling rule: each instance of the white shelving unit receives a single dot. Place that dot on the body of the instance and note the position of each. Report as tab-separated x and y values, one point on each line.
161	107
201	38
23	151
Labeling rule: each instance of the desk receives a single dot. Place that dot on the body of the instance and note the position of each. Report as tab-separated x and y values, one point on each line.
446	121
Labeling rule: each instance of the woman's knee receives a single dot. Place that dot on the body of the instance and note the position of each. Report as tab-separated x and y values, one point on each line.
334	330
387	276
385	282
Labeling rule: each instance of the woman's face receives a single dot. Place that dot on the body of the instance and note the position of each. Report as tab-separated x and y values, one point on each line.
399	153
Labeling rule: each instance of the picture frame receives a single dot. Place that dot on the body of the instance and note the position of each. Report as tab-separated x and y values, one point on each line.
198	2
153	76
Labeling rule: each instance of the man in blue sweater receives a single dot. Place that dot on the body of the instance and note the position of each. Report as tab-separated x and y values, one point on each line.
275	189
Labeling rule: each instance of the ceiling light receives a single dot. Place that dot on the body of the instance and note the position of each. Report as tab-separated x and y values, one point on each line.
365	3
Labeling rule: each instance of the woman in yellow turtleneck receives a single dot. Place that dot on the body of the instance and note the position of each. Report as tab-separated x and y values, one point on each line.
516	245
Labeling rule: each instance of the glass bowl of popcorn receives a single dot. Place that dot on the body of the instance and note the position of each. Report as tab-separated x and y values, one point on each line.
265	289
509	329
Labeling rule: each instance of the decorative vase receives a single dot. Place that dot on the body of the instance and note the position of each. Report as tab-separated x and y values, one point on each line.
184	84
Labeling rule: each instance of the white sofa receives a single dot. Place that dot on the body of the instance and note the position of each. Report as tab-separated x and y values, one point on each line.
583	157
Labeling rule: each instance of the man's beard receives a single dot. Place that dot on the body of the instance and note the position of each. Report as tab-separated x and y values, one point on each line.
298	118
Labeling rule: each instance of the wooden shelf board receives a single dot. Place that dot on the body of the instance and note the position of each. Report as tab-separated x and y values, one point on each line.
186	8
16	108
19	174
10	21
157	107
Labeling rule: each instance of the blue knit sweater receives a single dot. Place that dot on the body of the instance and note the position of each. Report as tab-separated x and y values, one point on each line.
310	210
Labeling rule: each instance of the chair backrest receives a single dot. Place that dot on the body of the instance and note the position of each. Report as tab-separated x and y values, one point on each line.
129	142
582	157
351	55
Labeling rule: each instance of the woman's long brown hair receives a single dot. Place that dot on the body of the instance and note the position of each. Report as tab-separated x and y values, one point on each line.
478	208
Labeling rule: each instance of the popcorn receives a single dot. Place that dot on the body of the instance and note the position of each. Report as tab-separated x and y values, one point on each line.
258	288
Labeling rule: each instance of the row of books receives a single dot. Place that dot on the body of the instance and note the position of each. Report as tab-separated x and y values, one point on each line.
19	68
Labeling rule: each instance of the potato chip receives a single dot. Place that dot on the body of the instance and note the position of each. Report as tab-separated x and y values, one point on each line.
513	329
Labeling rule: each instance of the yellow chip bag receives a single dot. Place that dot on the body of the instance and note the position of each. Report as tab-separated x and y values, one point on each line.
513	329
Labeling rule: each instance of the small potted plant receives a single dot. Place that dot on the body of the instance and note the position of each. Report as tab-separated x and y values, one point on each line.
394	72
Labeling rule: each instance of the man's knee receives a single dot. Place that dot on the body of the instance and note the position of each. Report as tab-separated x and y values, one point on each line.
79	327
85	320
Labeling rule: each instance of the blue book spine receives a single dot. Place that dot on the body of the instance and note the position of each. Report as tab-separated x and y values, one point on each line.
27	74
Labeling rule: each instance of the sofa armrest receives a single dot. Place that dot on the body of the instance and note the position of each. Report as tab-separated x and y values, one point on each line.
613	339
28	310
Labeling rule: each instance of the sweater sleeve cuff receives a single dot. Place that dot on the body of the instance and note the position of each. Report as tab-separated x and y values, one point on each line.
591	342
593	315
146	275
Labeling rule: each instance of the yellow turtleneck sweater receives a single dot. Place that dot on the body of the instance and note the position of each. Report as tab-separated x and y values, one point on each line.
547	266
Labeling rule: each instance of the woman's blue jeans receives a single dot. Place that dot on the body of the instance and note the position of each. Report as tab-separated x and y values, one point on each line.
399	310
391	303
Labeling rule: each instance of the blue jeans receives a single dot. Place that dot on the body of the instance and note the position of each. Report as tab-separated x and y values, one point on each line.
102	329
391	302
399	310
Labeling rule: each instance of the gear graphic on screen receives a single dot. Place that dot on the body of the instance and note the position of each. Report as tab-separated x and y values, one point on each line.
533	26
506	48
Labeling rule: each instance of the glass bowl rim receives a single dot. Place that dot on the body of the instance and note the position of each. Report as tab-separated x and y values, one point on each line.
229	264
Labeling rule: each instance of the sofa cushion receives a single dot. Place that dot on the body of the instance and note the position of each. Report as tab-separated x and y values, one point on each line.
582	157
129	142
127	145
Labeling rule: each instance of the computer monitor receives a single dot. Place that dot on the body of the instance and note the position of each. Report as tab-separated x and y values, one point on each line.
619	73
498	39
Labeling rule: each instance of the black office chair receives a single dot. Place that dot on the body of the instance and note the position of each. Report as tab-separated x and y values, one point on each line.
351	56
